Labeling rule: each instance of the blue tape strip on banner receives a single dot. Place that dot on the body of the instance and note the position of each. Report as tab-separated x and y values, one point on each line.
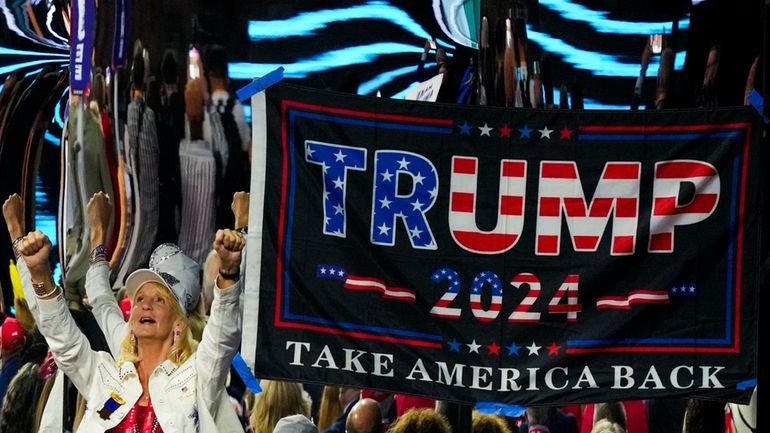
758	102
746	384
492	408
260	84
243	370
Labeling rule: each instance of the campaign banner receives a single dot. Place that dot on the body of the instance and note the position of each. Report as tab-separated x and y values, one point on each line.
81	44
120	35
519	256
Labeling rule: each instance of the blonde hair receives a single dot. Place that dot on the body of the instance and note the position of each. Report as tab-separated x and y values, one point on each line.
607	426
483	423
23	315
421	421
42	400
277	400
183	347
330	408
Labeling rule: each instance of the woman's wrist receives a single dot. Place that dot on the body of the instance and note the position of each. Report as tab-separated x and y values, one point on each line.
44	287
16	242
229	274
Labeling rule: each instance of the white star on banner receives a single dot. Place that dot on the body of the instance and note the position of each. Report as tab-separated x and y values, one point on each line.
416	205
403	163
339	183
309	151
385	203
418	178
434	192
384	229
386	175
324	167
338	209
485	130
545	132
534	349
339	156
323	271
415	232
473	347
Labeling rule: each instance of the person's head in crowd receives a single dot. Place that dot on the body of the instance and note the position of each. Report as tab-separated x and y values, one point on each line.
278	399
137	67
295	424
347	395
215	64
12	337
484	423
612	411
538	418
173	281
364	417
421	421
330	408
154	96
607	426
168	70
97	95
704	416
20	401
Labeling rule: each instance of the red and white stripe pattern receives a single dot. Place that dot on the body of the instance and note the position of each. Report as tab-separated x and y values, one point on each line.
667	213
492	281
521	313
355	282
560	190
635	297
462	206
442	308
570	288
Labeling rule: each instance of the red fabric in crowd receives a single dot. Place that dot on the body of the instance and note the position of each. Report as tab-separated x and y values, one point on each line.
575	410
405	402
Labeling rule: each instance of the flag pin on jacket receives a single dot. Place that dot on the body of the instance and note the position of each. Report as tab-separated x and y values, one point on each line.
110	406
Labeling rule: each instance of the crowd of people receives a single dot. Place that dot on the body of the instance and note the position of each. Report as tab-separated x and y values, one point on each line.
142	334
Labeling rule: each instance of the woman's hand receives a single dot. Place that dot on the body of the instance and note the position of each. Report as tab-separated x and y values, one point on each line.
35	248
228	245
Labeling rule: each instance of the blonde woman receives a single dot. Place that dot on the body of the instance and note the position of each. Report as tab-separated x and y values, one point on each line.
277	400
162	380
330	408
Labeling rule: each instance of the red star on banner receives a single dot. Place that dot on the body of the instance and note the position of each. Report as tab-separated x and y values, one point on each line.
553	349
565	133
493	348
505	131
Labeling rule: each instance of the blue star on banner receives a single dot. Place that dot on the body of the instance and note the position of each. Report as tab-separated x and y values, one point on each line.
513	349
525	132
454	345
465	128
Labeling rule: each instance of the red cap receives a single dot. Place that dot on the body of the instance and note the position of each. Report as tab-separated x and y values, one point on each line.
12	335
